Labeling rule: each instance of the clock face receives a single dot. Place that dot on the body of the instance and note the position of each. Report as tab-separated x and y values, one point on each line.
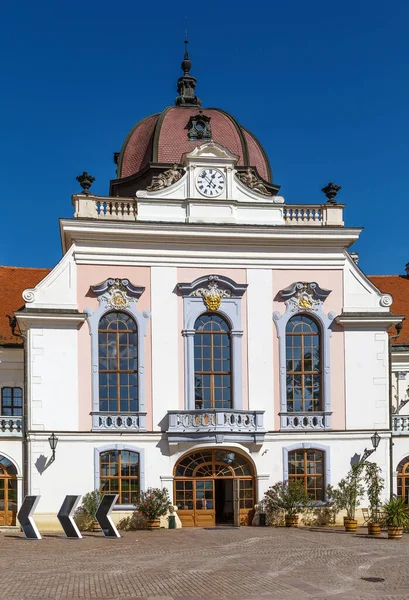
210	182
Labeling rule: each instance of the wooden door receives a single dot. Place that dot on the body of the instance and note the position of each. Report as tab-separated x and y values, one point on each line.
205	511
8	499
236	502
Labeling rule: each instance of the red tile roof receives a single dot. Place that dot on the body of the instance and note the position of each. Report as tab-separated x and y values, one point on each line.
13	282
398	287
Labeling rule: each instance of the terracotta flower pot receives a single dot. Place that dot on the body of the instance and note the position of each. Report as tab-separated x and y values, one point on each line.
291	520
351	525
395	533
374	529
153	523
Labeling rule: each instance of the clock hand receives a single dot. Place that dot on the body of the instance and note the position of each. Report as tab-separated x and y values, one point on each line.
209	181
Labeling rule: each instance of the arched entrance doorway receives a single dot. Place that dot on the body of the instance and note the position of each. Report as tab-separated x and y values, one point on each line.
403	479
206	483
8	492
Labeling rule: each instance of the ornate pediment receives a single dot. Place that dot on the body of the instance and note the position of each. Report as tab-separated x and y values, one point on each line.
304	295
210	150
117	293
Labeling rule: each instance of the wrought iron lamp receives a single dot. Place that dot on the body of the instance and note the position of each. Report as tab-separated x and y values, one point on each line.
375	439
53	441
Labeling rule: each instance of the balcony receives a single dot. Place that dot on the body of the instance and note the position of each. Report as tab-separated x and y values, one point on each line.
11	426
305	421
216	426
400	425
115	421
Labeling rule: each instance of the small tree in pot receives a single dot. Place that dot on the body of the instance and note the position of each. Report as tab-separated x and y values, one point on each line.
84	516
152	504
374	487
397	517
348	494
289	496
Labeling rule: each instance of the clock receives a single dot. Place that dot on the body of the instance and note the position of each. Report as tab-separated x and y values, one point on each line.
210	182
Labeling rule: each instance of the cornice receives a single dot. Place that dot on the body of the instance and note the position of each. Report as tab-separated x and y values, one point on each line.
368	319
88	231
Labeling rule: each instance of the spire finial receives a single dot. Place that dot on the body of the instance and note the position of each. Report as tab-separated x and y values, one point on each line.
187	83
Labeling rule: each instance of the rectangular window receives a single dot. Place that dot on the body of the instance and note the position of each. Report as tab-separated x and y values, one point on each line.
11	402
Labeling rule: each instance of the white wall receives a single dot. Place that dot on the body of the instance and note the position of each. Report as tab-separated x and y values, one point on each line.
367	393
53	389
260	344
165	347
11	367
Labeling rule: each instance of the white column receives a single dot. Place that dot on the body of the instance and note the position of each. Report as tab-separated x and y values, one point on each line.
165	348
260	344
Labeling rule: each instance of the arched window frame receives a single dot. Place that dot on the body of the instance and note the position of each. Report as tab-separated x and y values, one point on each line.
121	296
230	308
212	358
305	299
309	446
130	448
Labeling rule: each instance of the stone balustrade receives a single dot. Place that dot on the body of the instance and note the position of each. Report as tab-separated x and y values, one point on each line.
115	421
126	209
11	425
305	421
196	421
400	425
106	208
315	215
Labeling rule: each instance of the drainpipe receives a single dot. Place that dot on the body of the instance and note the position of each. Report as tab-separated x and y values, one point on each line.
398	328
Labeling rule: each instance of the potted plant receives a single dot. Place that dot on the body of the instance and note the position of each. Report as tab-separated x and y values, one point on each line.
290	496
347	495
397	516
152	504
374	487
85	514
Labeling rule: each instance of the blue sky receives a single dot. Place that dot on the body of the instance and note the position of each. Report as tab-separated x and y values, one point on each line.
324	85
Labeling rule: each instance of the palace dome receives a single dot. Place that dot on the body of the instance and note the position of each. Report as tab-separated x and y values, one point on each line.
164	138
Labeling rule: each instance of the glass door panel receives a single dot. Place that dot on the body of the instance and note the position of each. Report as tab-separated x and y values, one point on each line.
204	503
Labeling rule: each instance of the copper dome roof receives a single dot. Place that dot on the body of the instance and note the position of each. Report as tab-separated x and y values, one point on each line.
163	138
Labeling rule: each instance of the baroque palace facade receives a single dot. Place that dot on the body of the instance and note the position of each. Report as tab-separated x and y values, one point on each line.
199	334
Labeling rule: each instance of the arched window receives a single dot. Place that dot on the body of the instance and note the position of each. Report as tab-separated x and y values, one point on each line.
303	365
307	466
119	474
11	402
212	352
403	479
118	363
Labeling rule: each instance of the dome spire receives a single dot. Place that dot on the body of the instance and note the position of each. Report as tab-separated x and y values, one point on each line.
187	83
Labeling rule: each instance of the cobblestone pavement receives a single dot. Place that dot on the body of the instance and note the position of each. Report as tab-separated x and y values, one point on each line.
203	564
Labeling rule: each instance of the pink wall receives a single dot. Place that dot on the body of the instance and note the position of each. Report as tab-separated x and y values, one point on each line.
91	275
188	275
330	280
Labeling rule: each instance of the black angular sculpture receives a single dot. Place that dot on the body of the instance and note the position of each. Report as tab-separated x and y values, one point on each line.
65	517
26	520
103	518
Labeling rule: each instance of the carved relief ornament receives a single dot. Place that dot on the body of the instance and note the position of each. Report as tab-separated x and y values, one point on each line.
117	293
304	295
212	295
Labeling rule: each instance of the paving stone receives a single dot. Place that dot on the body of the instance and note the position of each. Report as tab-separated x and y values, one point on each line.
198	564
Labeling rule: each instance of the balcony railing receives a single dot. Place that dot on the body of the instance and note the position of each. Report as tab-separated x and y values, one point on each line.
243	425
301	421
400	425
314	215
11	425
115	421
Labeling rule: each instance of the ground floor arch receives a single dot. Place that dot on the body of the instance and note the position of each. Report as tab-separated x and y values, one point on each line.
8	492
403	479
214	486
